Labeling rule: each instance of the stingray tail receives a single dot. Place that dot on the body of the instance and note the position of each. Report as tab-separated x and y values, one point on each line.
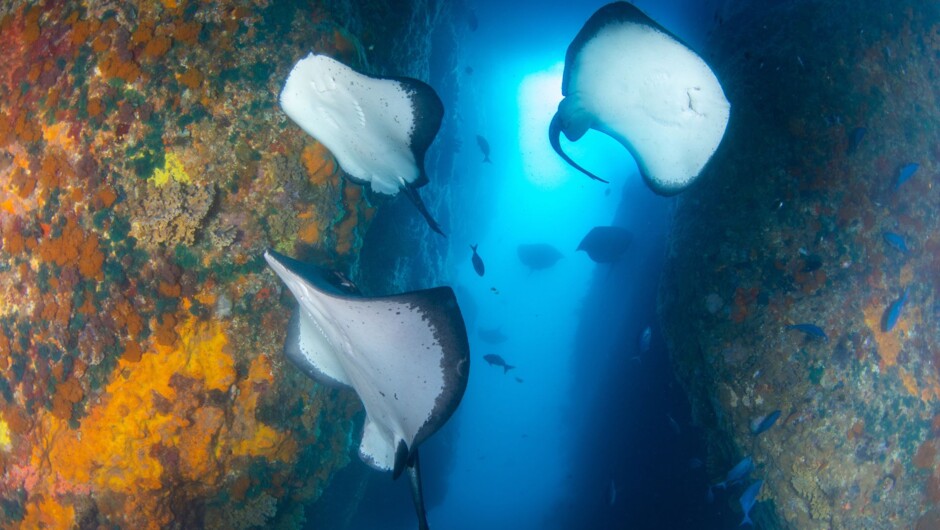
414	478
419	204
554	136
507	368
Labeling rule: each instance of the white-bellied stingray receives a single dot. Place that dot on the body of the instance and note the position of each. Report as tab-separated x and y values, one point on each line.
630	78
377	128
406	356
605	244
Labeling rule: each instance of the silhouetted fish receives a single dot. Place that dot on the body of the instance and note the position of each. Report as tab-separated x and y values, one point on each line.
496	360
645	338
738	473
605	244
811	330
485	148
906	173
762	423
477	261
896	241
674	425
747	500
538	255
492	336
893	313
519	380
855	138
468	70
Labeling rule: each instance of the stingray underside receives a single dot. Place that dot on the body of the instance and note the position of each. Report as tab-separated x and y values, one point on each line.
406	356
630	78
378	128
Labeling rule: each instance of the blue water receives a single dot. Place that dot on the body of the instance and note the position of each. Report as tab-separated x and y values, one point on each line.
592	412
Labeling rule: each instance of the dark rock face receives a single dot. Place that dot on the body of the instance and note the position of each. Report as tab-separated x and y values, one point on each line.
830	100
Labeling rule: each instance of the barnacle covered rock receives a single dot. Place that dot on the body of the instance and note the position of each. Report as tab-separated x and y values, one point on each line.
170	211
806	244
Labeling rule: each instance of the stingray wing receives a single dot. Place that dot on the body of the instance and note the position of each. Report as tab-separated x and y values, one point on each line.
406	356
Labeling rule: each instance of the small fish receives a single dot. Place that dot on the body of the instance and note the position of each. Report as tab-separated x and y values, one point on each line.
345	283
477	261
472	21
811	330
485	148
468	70
738	473
519	380
645	338
762	423
906	173
893	313
855	138
674	424
748	499
494	290
696	463
896	241
496	360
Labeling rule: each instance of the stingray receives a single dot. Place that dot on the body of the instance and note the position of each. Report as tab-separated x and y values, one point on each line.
538	255
377	128
628	77
406	356
605	244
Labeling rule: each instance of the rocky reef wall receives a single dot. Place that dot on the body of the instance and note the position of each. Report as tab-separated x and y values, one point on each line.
805	217
144	168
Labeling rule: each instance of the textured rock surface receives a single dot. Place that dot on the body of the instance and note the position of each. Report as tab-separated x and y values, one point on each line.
144	167
788	227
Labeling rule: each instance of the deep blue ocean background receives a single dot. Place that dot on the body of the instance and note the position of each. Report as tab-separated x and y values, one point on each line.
592	413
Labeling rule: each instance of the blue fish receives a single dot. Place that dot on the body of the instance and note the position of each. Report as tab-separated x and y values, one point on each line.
645	338
477	261
810	329
761	424
896	241
906	173
893	313
855	138
748	499
737	473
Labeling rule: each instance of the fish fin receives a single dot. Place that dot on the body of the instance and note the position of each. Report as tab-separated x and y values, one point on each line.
375	449
474	247
486	159
507	368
